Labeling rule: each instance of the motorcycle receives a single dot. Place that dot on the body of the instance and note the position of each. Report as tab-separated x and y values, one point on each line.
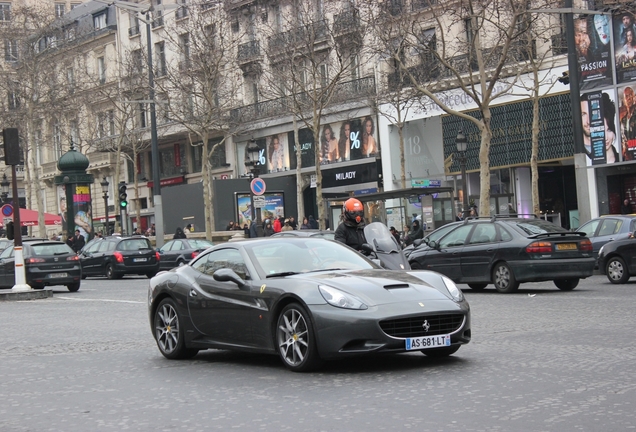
381	244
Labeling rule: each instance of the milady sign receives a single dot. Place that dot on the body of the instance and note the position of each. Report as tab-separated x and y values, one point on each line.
356	174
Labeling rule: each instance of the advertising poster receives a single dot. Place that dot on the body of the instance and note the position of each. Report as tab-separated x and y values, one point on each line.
306	139
592	41
61	206
274	206
277	157
244	209
83	211
262	156
627	119
625	46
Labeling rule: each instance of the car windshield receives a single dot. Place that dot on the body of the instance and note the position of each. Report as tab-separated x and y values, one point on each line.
291	256
539	226
47	249
134	245
200	244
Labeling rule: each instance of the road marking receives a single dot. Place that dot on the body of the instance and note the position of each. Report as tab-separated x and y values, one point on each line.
100	300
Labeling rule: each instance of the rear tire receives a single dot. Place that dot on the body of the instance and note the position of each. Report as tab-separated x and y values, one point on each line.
441	352
169	332
110	271
477	287
566	284
616	271
74	287
504	279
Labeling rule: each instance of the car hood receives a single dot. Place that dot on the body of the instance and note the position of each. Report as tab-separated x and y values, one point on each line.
377	287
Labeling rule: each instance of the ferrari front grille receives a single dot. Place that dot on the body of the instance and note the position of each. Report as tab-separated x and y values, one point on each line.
418	326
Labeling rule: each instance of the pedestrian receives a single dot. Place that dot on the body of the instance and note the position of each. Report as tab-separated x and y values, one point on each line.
276	225
246	231
626	208
313	224
416	232
152	230
293	223
230	226
286	226
179	234
305	224
78	241
268	230
396	234
473	212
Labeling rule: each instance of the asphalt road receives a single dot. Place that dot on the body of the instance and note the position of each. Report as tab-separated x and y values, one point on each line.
540	360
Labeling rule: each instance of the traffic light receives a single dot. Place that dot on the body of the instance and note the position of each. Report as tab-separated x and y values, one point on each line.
10	230
564	78
123	204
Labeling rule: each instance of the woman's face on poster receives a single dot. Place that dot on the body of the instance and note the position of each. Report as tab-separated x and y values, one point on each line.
369	127
629	37
347	130
328	134
275	143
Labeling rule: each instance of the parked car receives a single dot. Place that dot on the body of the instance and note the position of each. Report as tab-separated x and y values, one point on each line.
608	228
307	233
505	252
617	260
116	256
46	263
305	299
178	252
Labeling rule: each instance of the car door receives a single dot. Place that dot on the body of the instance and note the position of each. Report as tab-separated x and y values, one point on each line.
221	310
445	258
607	231
168	259
478	253
7	268
89	257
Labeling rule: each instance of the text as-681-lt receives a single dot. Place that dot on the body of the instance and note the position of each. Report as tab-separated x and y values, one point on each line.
424	342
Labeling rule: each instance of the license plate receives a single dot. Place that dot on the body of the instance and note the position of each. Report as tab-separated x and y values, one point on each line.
566	246
425	342
140	259
58	275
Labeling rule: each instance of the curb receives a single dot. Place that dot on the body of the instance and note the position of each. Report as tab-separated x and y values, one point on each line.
25	295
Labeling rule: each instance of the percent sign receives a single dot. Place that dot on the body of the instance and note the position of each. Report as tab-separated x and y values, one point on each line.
355	140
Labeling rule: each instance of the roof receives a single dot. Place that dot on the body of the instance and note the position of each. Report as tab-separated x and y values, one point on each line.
396	193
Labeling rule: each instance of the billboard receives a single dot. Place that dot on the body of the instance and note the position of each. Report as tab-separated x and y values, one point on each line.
593	51
625	46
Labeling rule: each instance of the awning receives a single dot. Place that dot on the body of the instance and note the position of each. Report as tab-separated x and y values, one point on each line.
30	218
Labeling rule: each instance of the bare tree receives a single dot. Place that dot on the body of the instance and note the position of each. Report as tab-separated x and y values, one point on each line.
466	48
310	64
200	86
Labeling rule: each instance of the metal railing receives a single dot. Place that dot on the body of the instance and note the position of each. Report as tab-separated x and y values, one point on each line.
249	51
303	35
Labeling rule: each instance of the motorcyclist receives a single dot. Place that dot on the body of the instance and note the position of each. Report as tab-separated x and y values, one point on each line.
416	232
351	230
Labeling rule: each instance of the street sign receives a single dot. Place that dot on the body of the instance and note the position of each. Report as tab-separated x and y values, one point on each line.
259	201
424	183
258	186
7	210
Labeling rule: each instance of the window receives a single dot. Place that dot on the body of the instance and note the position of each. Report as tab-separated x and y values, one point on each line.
217	159
456	237
110	117
137	60
324	75
220	259
157	15
278	19
99	21
70	79
184	47
429	46
590	228
10	51
484	233
59	10
74	132
57	140
101	70
133	26
182	12
143	121
101	129
355	67
14	100
235	24
5	11
38	145
160	55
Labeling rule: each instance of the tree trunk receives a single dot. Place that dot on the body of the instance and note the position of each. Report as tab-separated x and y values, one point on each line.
484	164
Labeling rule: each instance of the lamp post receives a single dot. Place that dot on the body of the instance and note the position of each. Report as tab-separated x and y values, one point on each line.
104	183
252	160
462	145
5	188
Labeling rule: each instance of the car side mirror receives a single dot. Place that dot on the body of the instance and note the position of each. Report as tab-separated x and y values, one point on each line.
418	242
228	275
433	244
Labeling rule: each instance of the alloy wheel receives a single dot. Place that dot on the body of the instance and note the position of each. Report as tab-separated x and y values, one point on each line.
293	337
167	328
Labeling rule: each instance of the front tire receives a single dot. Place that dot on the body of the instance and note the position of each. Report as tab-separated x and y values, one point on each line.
441	352
616	271
295	339
566	284
504	279
477	287
169	332
74	287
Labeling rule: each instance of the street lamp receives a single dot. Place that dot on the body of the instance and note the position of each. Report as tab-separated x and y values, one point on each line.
104	183
253	155
5	188
462	146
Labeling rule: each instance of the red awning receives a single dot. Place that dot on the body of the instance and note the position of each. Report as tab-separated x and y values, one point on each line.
30	218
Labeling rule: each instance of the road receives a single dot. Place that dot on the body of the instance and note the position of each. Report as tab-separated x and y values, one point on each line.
540	360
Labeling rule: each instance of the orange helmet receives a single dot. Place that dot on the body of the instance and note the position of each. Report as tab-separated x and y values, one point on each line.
354	211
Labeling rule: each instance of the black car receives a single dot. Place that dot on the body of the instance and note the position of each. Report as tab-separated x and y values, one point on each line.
617	260
604	229
178	252
305	299
117	256
46	263
505	252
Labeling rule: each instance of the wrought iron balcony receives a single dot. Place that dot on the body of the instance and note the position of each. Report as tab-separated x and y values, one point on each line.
346	22
422	4
249	52
301	36
182	12
354	90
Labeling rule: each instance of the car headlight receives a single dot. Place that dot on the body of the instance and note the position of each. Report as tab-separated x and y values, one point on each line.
455	292
340	299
